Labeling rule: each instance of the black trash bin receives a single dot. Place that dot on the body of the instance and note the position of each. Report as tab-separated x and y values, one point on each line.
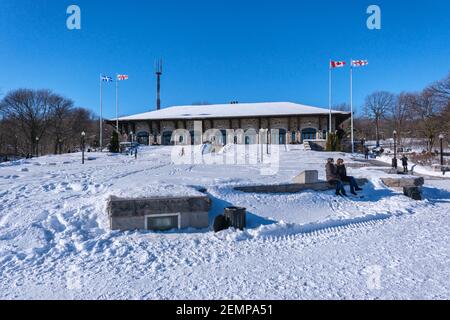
236	217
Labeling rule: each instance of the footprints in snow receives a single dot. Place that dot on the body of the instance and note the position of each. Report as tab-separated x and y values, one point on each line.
78	186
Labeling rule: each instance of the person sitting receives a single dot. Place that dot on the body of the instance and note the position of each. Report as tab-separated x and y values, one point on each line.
333	178
342	174
405	164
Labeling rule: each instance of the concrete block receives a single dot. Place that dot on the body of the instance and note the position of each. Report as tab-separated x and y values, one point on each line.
414	193
403	182
307	177
131	213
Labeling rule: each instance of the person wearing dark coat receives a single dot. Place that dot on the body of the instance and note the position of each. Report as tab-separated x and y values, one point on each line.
342	174
333	178
366	153
405	164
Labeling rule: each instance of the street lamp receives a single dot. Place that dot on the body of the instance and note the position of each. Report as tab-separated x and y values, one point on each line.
441	139
394	161
37	147
60	146
83	135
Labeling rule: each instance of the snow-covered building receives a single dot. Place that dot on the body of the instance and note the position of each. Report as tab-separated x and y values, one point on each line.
295	122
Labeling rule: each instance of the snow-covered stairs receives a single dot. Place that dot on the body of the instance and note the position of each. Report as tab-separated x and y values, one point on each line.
307	146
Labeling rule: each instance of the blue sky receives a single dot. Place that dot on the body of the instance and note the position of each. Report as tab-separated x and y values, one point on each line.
218	51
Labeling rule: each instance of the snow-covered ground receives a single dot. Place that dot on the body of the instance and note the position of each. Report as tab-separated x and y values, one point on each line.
55	242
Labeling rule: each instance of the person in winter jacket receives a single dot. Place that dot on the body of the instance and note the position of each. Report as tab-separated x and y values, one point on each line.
366	153
342	173
333	178
405	164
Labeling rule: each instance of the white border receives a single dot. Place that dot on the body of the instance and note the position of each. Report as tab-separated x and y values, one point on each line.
163	215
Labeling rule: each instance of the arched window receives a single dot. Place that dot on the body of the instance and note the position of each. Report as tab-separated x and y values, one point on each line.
282	139
166	138
309	134
143	138
224	136
294	137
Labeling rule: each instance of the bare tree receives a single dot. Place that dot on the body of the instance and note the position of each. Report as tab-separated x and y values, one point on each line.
60	117
441	90
29	114
30	109
427	111
401	111
376	108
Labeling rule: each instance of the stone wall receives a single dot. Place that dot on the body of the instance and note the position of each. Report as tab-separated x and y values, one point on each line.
289	124
129	214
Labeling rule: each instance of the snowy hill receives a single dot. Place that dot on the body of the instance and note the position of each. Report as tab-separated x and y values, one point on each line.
55	242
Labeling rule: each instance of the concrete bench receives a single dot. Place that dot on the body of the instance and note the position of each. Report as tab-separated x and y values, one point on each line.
158	213
406	181
293	187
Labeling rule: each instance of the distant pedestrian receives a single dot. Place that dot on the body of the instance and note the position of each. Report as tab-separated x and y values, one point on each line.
333	178
405	164
394	163
366	153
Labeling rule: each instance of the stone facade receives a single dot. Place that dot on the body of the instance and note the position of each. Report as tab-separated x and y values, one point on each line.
294	129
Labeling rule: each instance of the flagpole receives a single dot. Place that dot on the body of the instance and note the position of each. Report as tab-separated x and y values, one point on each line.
330	96
117	103
351	106
101	115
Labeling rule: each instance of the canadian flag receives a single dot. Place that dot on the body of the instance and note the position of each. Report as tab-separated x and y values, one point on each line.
337	64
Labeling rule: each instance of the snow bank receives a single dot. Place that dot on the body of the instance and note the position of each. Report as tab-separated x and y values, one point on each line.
55	242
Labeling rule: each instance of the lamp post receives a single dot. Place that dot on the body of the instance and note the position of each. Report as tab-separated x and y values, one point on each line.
363	145
441	140
83	135
394	161
37	147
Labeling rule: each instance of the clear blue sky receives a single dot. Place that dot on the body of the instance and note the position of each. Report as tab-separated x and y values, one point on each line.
221	50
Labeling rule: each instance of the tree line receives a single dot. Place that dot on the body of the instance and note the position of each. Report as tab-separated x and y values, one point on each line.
36	122
421	115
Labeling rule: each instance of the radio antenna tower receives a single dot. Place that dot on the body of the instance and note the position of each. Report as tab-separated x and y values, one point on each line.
158	72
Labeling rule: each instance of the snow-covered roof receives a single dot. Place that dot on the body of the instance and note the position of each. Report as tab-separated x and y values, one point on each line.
271	109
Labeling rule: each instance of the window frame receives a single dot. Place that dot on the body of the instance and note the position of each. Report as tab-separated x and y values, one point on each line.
178	215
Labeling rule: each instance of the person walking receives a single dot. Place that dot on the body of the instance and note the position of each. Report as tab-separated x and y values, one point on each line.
341	171
333	178
405	164
366	153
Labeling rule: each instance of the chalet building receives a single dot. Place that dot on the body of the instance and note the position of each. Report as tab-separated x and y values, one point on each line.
295	122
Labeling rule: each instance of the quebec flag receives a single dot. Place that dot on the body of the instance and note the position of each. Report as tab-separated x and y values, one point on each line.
106	79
